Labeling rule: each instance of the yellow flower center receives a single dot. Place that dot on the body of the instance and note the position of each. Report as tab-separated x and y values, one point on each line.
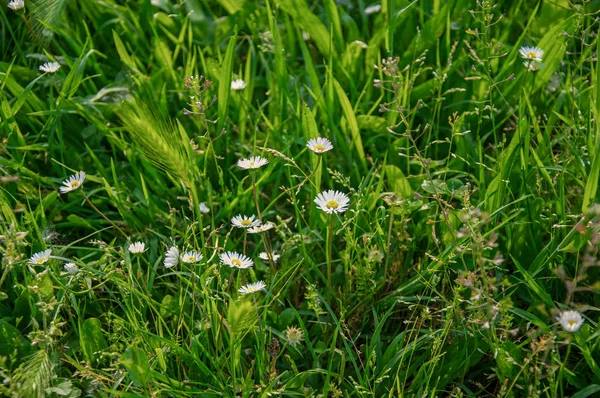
236	262
246	223
251	164
319	147
189	258
40	260
332	204
531	54
572	322
74	184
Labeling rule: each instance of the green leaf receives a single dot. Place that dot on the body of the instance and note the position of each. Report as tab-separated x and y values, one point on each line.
591	187
353	124
398	182
586	392
91	340
135	361
533	285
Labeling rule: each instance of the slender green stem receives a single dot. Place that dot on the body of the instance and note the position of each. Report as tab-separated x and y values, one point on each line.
255	196
102	214
330	252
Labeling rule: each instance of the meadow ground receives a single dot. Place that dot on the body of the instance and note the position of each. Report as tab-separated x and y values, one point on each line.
299	198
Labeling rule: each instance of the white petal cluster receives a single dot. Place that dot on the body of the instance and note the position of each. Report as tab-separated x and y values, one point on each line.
570	321
73	182
50	67
261	228
319	145
40	257
240	221
238	84
236	260
16	5
191	257
332	201
269	256
252	287
171	257
253	162
137	247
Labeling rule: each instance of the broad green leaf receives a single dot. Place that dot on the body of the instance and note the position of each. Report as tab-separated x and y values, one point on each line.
91	340
135	361
352	123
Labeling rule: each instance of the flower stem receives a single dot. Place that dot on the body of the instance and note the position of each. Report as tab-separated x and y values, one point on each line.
330	252
102	214
255	196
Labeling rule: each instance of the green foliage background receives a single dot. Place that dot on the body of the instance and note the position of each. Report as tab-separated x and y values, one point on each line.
475	178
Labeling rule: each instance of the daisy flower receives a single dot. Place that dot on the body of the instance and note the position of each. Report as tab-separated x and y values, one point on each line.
319	145
253	162
71	268
73	182
137	247
245	221
16	5
571	321
532	53
332	201
191	257
40	257
204	208
269	256
50	67
533	66
236	260
171	257
261	228
238	84
374	9
293	335
252	287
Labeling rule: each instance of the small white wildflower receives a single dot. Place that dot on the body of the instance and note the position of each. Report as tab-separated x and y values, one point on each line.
374	9
269	256
533	66
137	247
40	257
238	84
319	145
362	44
532	53
71	268
16	5
73	182
203	208
236	260
332	201
50	67
252	287
571	321
261	228
375	255
253	162
171	257
245	221
293	335
191	257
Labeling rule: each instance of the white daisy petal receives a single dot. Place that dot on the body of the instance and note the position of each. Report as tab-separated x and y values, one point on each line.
269	256
137	247
532	53
73	182
571	321
191	257
16	5
240	221
203	208
238	84
261	228
40	258
71	268
171	257
253	162
236	260
332	201
319	145
374	9
252	287
50	67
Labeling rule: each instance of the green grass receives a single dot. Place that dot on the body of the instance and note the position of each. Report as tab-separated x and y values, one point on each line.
473	220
